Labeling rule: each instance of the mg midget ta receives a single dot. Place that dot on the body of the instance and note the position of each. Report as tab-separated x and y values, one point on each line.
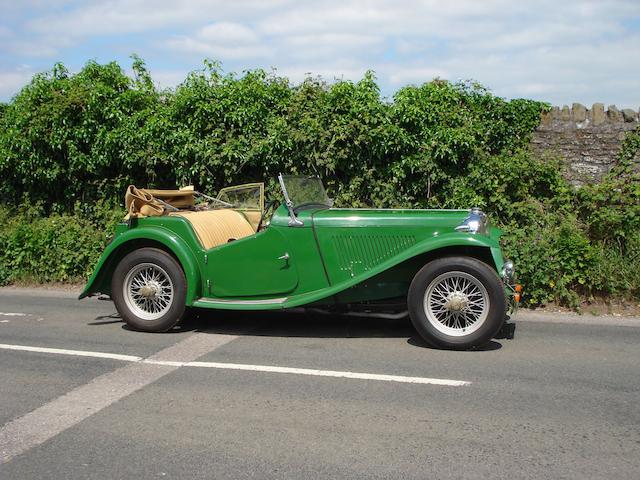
180	249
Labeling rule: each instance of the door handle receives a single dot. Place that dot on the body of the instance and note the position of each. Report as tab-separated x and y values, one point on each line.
284	257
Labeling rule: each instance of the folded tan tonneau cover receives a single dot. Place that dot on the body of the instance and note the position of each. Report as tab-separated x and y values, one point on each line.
144	202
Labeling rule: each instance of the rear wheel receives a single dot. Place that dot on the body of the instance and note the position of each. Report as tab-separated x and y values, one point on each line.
457	302
149	290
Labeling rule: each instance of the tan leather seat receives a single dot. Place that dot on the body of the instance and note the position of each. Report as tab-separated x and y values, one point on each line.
217	227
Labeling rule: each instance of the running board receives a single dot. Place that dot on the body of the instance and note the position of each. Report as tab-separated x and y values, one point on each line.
233	304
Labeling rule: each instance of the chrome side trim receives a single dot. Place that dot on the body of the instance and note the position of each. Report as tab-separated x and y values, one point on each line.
269	301
407	209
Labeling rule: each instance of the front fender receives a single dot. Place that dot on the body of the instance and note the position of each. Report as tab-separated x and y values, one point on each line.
123	243
457	239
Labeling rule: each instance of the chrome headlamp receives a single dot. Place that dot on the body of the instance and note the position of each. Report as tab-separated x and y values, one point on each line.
508	273
476	222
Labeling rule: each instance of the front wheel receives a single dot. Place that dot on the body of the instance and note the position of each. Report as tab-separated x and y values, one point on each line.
457	303
149	290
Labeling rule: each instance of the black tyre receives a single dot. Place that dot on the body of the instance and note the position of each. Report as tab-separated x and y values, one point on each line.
457	303
149	290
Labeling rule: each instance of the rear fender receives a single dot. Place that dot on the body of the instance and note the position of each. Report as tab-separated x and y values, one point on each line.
100	280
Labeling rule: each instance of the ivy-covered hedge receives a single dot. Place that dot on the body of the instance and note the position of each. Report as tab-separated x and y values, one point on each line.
63	247
70	144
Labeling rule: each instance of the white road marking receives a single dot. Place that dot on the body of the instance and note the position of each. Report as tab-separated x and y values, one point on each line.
171	363
8	314
78	353
327	373
4	321
49	420
165	362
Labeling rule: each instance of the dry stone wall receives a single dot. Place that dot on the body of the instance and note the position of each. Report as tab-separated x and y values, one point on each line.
587	140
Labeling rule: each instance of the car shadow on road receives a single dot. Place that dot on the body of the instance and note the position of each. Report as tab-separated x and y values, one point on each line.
294	323
106	319
300	323
297	324
492	345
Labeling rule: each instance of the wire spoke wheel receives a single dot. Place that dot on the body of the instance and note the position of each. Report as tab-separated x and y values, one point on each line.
148	291
456	303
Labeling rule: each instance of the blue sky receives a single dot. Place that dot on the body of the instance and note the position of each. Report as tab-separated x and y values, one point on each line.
560	51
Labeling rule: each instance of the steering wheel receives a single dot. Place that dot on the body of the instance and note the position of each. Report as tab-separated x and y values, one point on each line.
269	207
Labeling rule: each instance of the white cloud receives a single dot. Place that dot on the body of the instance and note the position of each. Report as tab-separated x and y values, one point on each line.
168	78
298	73
399	75
40	48
222	40
528	89
13	80
66	26
334	40
546	49
227	33
337	47
561	74
125	16
207	49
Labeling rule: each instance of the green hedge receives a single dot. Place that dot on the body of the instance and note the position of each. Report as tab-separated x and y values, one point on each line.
54	248
71	143
79	138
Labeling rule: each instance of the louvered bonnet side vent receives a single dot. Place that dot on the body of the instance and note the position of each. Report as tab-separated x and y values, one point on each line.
359	253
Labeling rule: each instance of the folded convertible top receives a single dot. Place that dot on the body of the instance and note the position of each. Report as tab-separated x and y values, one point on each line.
143	202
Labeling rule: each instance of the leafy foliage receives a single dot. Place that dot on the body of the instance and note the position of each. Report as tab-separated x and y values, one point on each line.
59	247
70	143
611	209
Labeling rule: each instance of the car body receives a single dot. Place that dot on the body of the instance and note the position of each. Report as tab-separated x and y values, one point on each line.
308	254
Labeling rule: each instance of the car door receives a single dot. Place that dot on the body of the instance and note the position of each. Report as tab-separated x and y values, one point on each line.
255	266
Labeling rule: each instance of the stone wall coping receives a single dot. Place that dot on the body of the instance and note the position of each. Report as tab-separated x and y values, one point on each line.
582	116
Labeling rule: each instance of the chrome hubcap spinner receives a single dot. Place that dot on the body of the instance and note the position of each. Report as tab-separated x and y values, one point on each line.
148	291
456	303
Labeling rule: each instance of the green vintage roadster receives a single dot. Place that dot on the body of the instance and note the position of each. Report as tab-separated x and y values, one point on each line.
179	249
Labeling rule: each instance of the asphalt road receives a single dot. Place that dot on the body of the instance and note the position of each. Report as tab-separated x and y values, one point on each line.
216	399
